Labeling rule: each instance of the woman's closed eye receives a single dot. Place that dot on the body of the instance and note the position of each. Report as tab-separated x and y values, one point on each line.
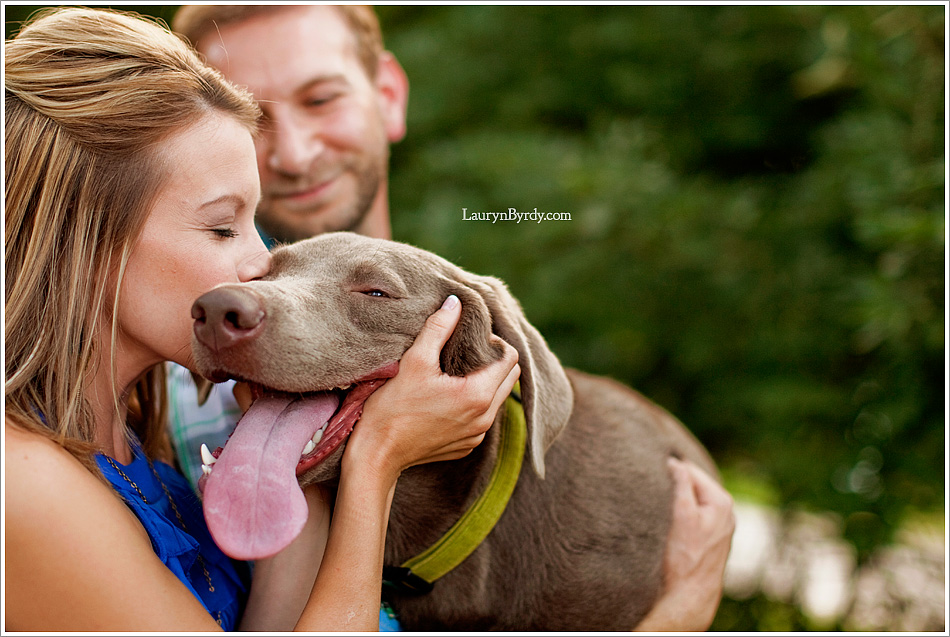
224	233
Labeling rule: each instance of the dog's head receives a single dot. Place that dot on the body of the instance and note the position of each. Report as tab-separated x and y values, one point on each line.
331	321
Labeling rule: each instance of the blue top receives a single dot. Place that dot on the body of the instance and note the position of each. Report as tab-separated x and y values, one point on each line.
177	549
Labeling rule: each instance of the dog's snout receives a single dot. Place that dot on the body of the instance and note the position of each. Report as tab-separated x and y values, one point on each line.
226	316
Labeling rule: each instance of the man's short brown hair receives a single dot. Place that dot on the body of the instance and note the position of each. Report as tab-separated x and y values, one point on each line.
194	21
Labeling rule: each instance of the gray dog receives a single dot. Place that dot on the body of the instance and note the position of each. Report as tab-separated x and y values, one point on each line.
579	545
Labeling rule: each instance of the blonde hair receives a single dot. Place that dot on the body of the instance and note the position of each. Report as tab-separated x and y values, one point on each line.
194	21
89	97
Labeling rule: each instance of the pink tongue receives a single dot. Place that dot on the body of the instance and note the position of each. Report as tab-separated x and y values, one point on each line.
252	502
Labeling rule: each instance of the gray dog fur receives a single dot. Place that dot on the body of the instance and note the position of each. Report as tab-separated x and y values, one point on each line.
580	546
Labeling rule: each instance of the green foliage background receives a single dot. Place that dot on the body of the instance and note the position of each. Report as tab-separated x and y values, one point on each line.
758	223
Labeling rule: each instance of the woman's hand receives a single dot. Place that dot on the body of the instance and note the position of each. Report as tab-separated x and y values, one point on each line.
696	553
423	415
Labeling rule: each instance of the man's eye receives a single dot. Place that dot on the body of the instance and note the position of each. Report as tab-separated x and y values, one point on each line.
224	233
321	100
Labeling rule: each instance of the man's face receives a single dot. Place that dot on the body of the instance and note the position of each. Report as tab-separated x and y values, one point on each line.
324	145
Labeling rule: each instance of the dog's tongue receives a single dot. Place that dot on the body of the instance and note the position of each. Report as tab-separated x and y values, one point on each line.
252	502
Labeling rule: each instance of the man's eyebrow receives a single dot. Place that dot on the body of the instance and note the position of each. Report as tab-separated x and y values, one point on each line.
321	79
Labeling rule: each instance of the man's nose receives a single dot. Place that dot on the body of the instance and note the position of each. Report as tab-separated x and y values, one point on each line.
293	145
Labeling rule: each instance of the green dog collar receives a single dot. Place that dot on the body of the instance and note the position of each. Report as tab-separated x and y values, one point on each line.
418	574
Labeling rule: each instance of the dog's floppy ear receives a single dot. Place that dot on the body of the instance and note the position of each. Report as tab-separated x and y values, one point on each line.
488	307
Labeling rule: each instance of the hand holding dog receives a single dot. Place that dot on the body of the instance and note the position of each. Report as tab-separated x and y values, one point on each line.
700	539
424	415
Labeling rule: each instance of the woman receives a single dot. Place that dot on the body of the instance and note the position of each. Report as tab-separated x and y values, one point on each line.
131	186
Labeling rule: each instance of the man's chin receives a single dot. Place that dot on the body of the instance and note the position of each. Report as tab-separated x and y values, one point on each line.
345	206
289	227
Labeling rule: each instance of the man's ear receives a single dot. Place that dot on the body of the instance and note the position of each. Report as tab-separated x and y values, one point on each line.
392	88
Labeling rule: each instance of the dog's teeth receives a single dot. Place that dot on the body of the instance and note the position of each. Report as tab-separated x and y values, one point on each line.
206	456
206	469
317	437
308	447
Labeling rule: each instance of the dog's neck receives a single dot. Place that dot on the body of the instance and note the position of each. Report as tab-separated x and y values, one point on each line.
430	498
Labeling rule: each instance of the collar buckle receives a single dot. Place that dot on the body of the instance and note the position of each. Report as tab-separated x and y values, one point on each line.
417	575
403	580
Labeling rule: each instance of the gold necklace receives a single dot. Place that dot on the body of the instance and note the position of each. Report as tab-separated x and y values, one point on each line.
129	480
181	521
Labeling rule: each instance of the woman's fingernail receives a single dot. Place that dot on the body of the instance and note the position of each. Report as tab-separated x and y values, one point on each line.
451	302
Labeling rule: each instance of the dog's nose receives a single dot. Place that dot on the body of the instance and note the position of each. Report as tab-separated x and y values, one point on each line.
226	316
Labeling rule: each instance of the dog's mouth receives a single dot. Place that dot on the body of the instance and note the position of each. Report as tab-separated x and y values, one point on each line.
252	501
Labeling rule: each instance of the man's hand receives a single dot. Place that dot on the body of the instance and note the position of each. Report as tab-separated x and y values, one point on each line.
696	553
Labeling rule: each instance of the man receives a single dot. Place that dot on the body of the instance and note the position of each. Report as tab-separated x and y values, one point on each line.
333	100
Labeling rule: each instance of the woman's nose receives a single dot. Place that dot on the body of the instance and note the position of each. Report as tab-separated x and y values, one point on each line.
255	266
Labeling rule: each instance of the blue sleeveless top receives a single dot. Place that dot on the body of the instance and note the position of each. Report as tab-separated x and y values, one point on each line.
177	549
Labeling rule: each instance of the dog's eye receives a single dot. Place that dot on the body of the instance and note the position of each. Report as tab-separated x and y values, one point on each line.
377	293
